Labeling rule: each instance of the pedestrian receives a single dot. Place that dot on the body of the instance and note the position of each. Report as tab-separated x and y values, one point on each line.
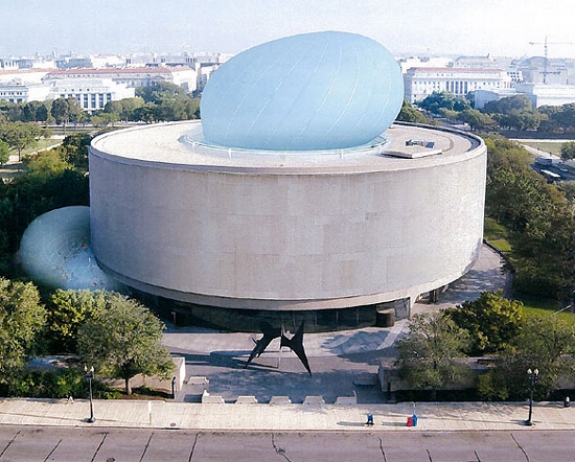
70	397
369	419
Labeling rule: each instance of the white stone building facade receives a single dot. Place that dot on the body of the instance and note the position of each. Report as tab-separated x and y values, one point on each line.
132	77
423	81
91	94
233	231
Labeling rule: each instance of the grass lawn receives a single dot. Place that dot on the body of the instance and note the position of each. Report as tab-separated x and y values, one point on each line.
544	307
42	144
39	145
71	129
496	235
549	147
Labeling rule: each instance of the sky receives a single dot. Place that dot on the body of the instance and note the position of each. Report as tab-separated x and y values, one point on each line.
415	27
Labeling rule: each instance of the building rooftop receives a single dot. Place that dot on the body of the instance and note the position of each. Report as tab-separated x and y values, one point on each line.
180	145
122	70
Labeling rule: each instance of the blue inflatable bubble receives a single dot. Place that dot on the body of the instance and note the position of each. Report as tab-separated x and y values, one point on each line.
324	90
55	252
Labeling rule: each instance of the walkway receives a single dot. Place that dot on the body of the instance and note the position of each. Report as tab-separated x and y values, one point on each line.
295	417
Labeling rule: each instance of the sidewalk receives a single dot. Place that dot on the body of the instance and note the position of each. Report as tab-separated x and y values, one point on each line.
296	417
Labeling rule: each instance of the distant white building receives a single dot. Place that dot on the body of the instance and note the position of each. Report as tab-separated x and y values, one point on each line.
25	76
93	88
132	77
17	92
423	81
92	94
22	85
475	62
482	97
516	75
540	95
547	95
407	63
204	73
8	63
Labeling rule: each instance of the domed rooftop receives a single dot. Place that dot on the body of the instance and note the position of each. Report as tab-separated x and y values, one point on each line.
325	90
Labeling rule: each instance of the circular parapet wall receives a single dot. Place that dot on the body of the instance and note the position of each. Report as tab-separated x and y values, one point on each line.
286	232
324	90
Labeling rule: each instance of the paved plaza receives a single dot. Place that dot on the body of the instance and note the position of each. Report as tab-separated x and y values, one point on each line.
343	363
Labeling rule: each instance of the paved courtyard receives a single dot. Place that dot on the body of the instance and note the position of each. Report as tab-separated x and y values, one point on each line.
343	363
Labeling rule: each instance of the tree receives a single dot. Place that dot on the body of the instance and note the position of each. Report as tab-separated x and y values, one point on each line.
123	339
443	100
429	354
568	150
76	148
65	110
544	343
477	121
523	120
492	321
409	114
22	317
20	135
516	103
46	164
67	311
538	217
4	152
104	119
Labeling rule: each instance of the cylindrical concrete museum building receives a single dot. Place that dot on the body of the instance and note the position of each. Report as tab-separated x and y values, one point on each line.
231	236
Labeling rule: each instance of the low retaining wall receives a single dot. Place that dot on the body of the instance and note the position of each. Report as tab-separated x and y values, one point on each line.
309	401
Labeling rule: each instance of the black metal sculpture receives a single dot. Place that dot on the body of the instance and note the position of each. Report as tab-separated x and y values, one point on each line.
270	333
295	343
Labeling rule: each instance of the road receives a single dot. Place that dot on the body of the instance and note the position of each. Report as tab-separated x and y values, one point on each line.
42	444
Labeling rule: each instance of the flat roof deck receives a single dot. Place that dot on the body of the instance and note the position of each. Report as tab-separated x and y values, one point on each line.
174	145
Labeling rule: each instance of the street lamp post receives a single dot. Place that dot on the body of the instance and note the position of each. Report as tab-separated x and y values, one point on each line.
532	379
90	377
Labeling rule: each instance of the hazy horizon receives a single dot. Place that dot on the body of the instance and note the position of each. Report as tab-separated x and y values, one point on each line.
432	27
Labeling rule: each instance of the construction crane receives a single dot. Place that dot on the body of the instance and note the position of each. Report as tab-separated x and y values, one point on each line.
546	56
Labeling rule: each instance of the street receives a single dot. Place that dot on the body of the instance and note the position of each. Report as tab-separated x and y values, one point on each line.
42	444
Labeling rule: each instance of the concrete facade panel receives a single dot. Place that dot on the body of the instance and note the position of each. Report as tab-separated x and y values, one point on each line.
378	231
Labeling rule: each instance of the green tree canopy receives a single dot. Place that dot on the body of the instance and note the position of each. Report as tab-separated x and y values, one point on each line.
76	150
4	152
409	114
429	353
443	100
20	135
65	110
492	321
46	164
67	311
165	101
124	339
477	120
538	217
508	105
544	343
158	92
568	150
22	317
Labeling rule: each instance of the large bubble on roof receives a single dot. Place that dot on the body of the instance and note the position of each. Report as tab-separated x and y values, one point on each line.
323	90
55	252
